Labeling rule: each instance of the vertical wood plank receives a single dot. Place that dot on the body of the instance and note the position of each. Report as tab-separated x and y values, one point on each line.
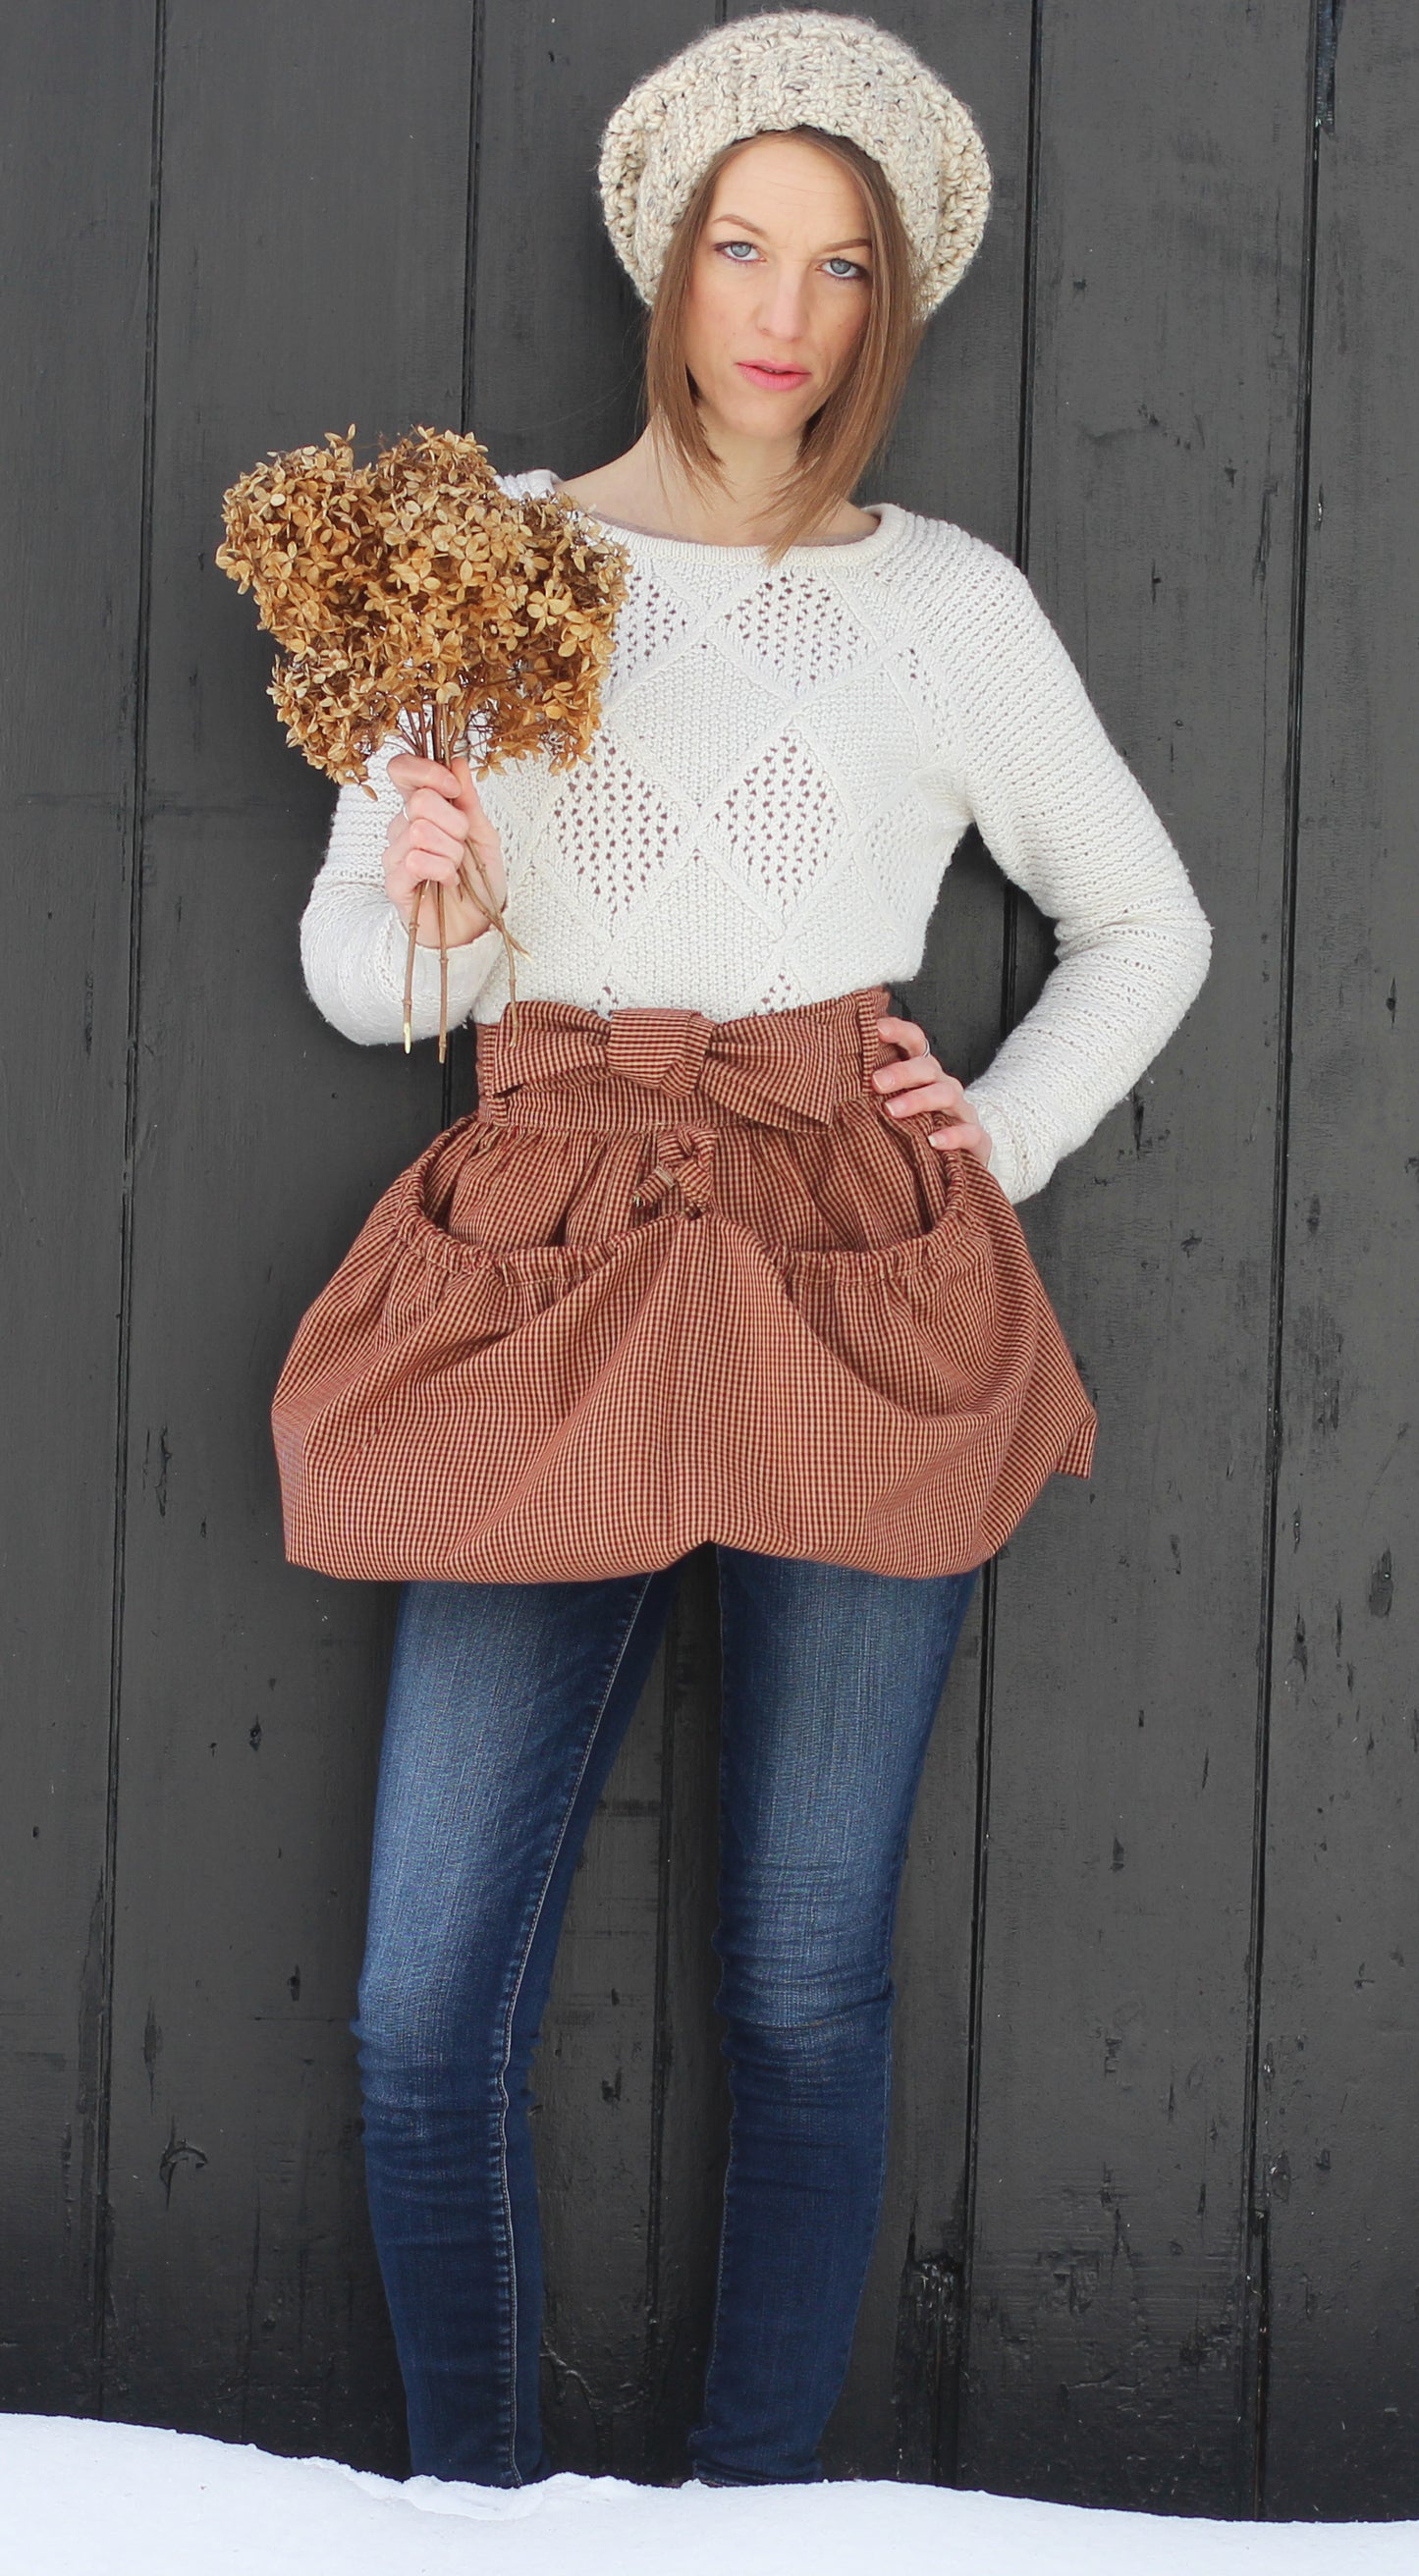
312	273
76	100
953	454
557	326
1107	2357
554	381
1340	2066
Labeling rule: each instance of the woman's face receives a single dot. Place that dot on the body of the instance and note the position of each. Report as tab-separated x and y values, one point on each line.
779	287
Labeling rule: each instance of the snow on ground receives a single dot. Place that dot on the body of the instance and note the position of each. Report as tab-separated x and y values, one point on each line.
79	2498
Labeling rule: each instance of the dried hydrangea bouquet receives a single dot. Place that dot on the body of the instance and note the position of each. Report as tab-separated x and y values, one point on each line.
414	596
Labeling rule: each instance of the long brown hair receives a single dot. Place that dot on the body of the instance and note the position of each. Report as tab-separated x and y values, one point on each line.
844	434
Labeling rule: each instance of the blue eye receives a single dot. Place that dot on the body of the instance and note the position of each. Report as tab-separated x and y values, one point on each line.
838	264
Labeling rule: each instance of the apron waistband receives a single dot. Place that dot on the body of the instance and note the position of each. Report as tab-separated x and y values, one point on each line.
584	1068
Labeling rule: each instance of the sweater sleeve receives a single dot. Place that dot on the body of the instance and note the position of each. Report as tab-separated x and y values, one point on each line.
353	942
1065	819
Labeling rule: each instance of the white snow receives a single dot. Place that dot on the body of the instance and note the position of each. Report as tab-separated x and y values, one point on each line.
80	2498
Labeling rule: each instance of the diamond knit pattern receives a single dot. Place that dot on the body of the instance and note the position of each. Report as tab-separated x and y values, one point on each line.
787	758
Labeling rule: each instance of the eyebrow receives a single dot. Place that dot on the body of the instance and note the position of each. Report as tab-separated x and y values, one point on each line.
860	242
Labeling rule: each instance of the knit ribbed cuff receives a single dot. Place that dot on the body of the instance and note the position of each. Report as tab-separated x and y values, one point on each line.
1007	1163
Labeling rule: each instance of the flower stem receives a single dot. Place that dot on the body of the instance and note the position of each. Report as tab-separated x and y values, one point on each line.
487	902
443	976
409	971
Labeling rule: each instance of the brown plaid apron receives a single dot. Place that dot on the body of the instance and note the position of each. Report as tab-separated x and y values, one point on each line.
676	1279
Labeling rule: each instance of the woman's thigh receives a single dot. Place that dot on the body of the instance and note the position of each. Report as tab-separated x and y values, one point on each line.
506	1705
831	1682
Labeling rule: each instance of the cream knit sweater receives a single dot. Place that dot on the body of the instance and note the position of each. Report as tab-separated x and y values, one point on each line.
786	760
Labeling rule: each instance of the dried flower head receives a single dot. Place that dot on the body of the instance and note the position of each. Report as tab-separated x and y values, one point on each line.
414	596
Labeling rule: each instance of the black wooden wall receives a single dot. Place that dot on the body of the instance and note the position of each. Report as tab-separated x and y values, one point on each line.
1149	2236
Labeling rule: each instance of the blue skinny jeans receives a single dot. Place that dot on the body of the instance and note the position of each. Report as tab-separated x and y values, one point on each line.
507	1703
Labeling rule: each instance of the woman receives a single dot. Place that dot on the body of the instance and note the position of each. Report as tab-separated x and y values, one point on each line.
725	1251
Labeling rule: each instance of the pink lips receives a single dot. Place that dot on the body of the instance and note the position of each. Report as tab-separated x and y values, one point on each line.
779	376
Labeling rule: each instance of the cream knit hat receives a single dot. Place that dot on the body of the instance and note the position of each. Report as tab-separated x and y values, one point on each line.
796	67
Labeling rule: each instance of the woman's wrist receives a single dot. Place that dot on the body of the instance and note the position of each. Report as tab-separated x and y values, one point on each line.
457	916
452	941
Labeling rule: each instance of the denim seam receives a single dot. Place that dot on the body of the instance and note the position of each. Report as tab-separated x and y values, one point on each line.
587	1749
724	2210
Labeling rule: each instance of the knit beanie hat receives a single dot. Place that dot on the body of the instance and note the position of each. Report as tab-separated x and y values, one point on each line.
796	67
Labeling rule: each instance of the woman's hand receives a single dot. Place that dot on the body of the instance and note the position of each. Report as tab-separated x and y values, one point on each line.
919	1085
426	844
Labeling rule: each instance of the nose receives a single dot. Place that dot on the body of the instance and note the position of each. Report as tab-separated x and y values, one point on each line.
783	309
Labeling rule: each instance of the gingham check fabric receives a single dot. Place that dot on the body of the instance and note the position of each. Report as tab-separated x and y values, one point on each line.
676	1280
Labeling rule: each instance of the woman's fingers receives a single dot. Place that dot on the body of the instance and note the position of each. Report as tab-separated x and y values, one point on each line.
409	770
917	1086
935	1091
443	838
920	1064
480	831
443	818
910	1080
439	823
966	1136
430	848
919	1073
905	1033
466	783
